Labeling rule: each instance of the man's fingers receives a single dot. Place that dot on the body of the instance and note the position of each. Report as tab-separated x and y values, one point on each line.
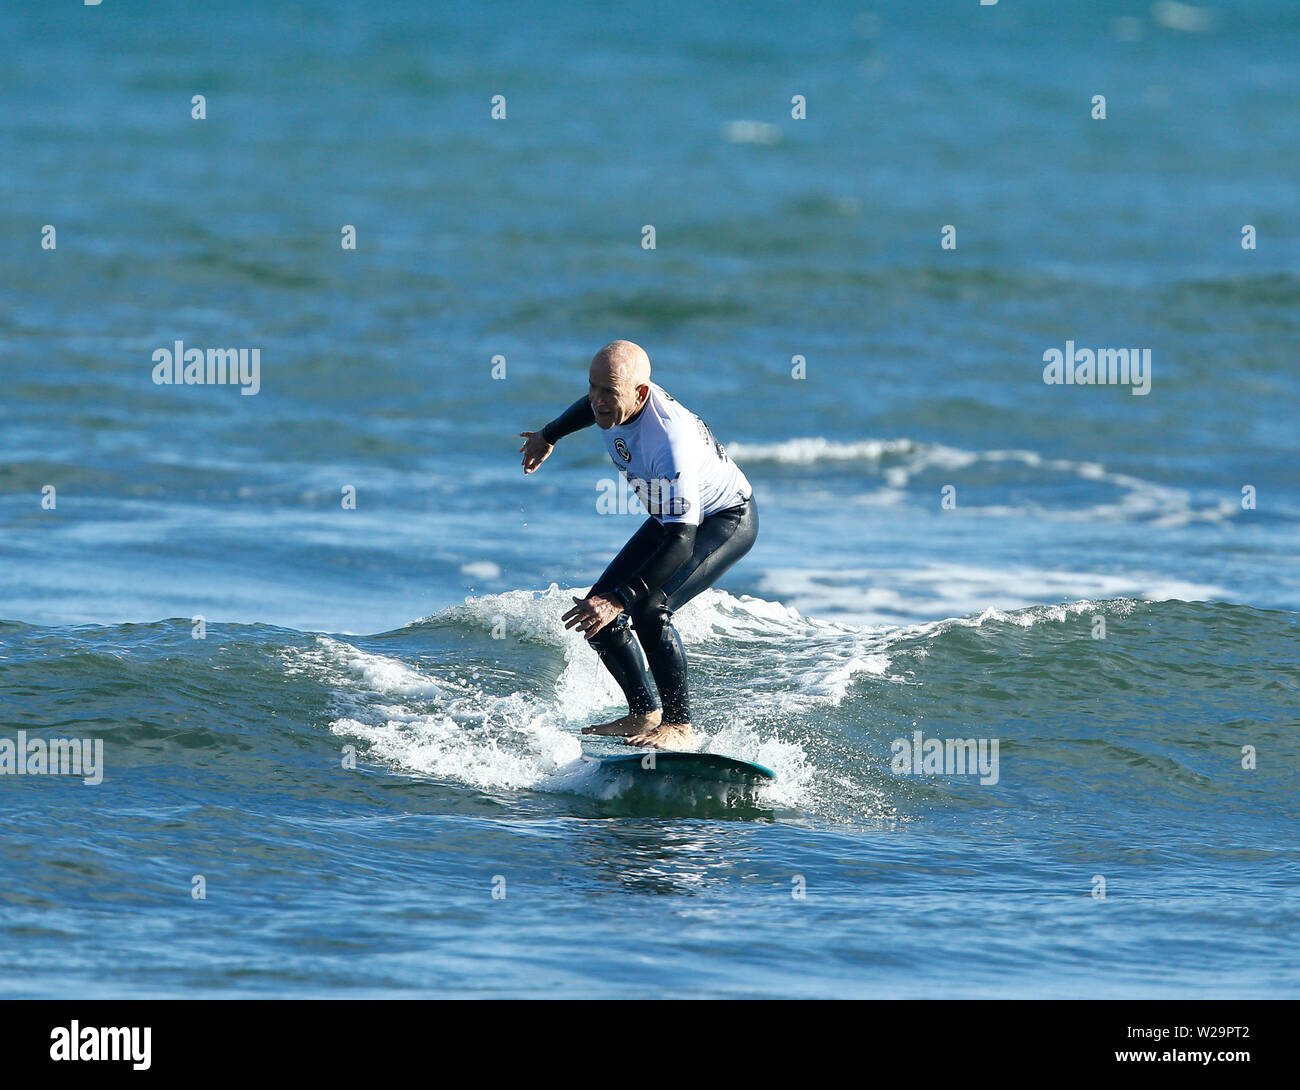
584	623
584	617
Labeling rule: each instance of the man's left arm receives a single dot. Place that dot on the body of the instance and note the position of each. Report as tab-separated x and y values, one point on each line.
660	566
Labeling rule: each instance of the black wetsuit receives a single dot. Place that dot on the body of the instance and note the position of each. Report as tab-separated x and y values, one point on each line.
661	568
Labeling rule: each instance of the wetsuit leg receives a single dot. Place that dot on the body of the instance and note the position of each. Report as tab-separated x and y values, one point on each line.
720	541
614	643
730	536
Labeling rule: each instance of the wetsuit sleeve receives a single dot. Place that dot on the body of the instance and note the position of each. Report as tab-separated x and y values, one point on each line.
576	416
661	565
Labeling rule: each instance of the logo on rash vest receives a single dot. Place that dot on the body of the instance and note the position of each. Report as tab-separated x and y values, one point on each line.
623	452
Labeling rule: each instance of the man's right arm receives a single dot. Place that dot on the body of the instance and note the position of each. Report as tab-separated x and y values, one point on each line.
576	416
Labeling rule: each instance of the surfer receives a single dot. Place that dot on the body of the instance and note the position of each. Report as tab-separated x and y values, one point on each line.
702	520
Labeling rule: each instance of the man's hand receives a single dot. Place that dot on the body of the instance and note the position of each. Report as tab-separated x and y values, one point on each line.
590	615
535	450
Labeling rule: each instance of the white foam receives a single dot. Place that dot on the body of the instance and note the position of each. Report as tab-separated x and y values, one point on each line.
444	728
432	722
887	596
818	659
378	673
584	684
816	449
904	460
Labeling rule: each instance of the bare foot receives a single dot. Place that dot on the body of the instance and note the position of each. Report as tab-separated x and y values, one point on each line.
629	724
666	736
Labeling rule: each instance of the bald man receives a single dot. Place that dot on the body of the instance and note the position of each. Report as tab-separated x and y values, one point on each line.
702	520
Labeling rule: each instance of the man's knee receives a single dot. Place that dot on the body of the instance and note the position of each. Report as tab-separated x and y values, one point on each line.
650	616
617	632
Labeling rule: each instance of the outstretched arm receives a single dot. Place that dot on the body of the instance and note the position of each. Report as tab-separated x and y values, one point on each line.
539	444
576	416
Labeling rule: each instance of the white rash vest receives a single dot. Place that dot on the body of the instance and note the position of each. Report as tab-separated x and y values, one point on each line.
670	458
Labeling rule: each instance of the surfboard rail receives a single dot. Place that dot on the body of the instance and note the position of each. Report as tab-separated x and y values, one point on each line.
701	766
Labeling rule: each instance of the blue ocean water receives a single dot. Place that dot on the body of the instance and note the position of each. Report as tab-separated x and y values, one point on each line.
1103	582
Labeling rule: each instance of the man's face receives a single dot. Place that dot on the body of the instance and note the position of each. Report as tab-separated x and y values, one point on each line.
612	395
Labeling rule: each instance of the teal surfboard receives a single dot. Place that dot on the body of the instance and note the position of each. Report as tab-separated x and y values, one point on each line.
698	766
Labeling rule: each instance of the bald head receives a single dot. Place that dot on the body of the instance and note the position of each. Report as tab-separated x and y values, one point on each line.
620	382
